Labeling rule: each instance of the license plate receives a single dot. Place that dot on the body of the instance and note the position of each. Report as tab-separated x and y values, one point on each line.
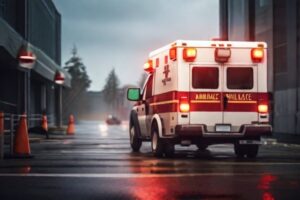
223	128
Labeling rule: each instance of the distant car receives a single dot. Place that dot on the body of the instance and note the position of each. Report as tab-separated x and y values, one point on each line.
111	120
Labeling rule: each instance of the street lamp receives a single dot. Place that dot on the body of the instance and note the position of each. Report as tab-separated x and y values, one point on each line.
26	59
59	79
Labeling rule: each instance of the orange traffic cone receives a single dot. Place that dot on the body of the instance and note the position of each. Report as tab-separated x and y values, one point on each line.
21	144
71	126
45	122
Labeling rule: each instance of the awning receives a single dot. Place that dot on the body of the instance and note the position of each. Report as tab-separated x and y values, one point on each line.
11	41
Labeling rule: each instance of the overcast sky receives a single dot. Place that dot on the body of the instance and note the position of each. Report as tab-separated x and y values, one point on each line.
121	33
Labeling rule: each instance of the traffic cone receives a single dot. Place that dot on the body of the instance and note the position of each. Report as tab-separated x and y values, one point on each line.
21	144
71	126
45	122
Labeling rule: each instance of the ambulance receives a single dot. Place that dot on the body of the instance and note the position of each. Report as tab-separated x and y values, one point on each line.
202	93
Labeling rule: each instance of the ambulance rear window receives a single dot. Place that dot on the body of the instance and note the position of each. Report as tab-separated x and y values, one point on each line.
205	78
240	78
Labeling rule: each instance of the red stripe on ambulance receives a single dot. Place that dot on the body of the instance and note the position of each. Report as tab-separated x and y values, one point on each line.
208	101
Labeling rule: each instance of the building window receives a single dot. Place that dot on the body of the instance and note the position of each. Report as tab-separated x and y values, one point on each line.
298	34
279	22
280	37
280	64
2	7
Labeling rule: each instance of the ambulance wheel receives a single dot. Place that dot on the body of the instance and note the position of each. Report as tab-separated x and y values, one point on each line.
202	147
156	142
135	141
239	150
252	150
169	149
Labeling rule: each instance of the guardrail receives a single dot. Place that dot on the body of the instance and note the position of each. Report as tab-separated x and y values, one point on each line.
8	125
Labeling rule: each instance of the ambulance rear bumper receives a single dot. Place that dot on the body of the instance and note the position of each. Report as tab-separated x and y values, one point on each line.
200	131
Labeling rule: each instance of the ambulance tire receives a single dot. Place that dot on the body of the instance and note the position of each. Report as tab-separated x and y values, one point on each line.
135	141
157	145
239	150
202	147
252	150
169	149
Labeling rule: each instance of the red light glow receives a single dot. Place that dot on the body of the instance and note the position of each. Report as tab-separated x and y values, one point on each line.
189	54
148	66
257	54
173	53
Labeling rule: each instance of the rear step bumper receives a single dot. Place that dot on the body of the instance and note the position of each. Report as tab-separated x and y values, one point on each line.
200	131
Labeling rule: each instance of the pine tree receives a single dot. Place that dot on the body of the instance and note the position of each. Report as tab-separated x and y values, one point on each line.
110	90
75	97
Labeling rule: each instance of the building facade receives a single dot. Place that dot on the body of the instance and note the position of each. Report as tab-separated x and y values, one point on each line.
276	22
36	23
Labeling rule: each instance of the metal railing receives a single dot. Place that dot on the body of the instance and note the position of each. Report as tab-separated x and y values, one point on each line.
10	125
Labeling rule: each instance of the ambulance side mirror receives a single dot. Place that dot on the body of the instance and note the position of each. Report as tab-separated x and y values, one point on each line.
134	94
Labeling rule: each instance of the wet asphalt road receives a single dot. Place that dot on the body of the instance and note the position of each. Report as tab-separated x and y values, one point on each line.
97	163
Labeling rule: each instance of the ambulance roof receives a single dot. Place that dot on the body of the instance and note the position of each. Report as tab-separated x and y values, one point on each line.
203	43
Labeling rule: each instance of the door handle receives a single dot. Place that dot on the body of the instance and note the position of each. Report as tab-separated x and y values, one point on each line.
225	102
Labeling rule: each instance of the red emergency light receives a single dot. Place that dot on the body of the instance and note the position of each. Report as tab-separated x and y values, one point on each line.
173	53
148	66
222	55
189	54
263	108
184	105
257	54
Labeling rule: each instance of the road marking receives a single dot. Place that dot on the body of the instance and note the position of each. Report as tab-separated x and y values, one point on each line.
127	175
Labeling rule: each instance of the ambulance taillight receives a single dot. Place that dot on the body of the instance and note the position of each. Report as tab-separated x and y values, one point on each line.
189	54
184	105
257	54
222	55
148	66
263	108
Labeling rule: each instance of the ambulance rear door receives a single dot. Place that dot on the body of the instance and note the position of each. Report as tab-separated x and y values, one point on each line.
205	95
240	86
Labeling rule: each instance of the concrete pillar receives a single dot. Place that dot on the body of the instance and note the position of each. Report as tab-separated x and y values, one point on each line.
58	103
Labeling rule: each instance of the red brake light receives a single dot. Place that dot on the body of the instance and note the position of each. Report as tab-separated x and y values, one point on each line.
257	54
263	108
148	66
222	54
173	53
189	54
184	105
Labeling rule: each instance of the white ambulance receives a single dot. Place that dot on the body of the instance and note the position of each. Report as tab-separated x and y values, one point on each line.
202	93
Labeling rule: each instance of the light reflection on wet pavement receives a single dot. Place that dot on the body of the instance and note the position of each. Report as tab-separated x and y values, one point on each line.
97	163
